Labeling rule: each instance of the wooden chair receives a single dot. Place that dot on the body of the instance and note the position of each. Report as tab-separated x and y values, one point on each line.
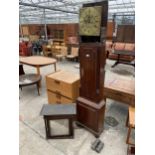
55	50
74	53
46	52
130	123
63	53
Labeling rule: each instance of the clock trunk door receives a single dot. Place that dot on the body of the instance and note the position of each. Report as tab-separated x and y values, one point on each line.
88	72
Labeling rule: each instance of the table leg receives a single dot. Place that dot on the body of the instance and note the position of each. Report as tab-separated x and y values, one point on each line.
38	72
55	67
38	88
127	120
128	136
117	61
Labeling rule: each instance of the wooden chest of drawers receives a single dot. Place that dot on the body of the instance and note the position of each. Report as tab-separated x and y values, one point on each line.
62	87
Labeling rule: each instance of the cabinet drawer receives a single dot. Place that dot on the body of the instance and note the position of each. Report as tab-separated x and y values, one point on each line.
57	98
65	89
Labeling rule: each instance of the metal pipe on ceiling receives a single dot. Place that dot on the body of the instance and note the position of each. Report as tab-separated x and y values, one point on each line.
45	26
80	3
46	7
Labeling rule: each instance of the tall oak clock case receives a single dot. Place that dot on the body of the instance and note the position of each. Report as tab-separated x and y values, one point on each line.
91	103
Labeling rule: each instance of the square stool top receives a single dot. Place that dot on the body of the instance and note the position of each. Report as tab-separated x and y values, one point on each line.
58	109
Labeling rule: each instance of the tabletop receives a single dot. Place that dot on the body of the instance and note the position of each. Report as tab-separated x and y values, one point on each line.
121	85
65	76
37	60
58	109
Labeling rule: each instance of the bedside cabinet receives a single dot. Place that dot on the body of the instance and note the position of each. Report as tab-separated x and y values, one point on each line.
62	87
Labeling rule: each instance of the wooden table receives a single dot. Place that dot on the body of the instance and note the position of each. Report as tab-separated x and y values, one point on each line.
38	61
120	89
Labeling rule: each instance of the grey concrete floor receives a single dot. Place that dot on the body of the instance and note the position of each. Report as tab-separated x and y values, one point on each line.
31	125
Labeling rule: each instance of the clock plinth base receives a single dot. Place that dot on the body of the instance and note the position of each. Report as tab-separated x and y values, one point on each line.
91	115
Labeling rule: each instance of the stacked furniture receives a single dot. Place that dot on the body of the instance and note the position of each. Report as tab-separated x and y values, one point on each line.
55	48
63	53
46	50
62	87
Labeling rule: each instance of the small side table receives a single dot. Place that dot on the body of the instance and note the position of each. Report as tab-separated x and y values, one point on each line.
58	111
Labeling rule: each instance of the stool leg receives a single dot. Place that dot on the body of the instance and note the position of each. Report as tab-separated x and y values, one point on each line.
47	128
71	131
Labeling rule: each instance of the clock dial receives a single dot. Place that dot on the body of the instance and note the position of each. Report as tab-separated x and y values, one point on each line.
90	21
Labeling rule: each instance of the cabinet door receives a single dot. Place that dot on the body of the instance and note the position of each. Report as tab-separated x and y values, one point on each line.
88	71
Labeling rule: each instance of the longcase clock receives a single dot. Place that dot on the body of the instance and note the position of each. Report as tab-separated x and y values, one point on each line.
92	30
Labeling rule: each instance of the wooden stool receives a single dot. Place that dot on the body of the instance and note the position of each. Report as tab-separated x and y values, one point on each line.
130	123
58	111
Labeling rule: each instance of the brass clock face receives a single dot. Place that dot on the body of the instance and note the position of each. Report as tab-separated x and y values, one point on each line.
90	21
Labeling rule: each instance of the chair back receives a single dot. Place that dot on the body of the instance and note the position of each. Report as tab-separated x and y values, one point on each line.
64	50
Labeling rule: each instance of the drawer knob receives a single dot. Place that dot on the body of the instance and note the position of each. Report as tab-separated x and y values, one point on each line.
58	96
58	102
87	55
57	92
57	82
